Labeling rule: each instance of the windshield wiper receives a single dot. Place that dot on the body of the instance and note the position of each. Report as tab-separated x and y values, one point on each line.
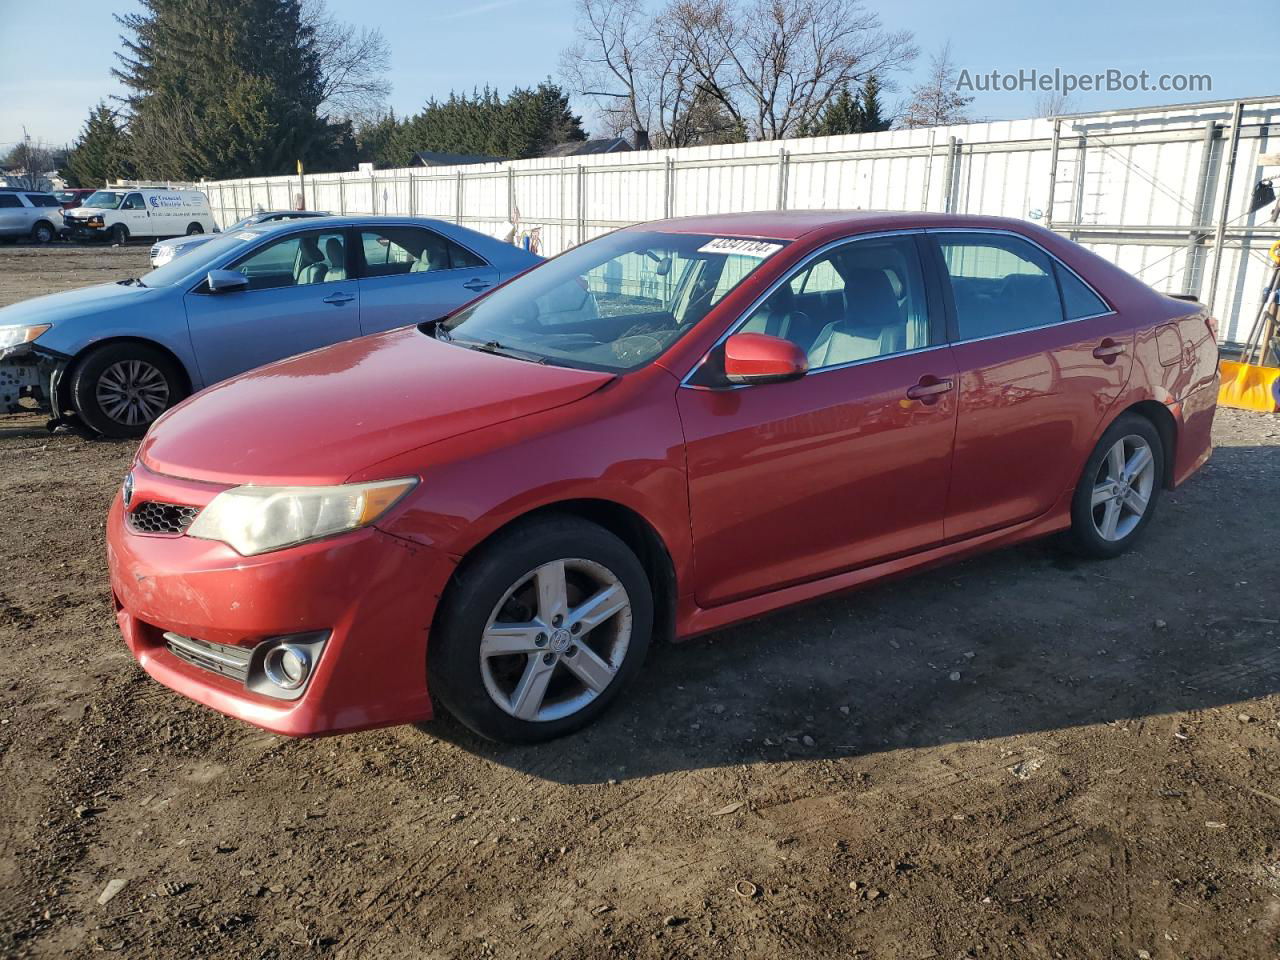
131	282
496	348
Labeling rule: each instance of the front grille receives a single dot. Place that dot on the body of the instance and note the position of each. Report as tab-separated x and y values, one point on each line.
163	518
220	658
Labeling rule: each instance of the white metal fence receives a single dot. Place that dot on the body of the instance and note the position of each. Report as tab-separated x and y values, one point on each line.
1161	191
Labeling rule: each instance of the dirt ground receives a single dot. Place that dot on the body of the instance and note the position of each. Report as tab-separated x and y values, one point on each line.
1018	756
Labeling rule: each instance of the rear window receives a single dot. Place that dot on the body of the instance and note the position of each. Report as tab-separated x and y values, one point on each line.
9	200
43	200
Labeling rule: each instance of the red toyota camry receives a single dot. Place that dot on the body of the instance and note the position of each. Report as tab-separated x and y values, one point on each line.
669	429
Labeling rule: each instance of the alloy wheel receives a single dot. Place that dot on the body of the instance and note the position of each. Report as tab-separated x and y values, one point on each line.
1122	488
132	392
556	640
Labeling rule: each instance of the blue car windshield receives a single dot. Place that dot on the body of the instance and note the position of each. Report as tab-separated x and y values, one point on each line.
614	303
176	270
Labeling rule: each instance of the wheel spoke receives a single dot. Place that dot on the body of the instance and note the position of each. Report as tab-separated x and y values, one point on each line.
1110	520
502	639
1136	501
1137	463
553	593
526	699
587	666
599	607
1102	493
1115	461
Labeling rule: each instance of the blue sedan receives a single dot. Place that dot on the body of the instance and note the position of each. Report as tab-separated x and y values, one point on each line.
118	355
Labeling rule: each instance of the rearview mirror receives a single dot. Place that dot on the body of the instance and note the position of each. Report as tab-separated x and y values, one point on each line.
761	358
224	281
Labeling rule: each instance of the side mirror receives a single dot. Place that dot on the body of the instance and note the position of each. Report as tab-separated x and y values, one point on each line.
761	358
225	281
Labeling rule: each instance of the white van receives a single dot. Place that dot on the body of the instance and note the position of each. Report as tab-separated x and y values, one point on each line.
144	212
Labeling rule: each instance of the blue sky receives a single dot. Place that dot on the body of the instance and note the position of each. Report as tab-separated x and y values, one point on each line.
54	66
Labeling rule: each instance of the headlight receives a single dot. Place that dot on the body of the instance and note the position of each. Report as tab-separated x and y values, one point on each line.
15	336
163	255
256	520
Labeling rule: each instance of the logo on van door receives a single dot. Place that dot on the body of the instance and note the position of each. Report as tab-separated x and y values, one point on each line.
165	200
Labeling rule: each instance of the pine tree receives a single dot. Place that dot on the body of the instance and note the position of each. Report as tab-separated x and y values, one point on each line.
873	118
100	153
840	116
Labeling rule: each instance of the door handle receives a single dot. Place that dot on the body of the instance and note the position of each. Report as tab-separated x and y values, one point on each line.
1108	350
338	299
477	284
929	389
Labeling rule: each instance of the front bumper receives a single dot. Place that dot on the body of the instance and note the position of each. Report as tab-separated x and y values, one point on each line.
373	594
81	231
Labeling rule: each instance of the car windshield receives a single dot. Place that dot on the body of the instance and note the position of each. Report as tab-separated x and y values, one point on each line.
64	196
611	304
206	253
105	200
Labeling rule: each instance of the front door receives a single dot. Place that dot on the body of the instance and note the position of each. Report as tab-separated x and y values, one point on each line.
298	299
412	275
844	467
1041	359
135	216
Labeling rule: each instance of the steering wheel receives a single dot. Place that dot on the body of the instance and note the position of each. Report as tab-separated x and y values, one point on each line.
636	347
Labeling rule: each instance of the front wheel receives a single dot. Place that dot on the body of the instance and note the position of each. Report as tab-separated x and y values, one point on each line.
119	234
541	630
1117	494
43	233
121	388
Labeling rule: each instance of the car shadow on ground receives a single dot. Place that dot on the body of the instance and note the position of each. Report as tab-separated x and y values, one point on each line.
1019	641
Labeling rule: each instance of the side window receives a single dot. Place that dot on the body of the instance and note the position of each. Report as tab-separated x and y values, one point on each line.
134	202
860	301
394	250
296	260
1078	301
9	200
1001	284
42	200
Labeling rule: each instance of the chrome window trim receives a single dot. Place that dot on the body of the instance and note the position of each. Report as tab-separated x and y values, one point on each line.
1048	253
787	278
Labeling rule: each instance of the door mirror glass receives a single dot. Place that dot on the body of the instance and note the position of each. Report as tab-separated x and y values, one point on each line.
225	281
761	358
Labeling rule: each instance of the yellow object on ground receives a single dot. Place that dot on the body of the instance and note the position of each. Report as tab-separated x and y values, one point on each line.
1249	387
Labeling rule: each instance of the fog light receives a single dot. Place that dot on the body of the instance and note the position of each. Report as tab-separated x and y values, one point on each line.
287	665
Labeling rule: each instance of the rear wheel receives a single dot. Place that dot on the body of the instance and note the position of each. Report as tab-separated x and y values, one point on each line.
541	630
120	234
43	232
1117	494
121	388
193	229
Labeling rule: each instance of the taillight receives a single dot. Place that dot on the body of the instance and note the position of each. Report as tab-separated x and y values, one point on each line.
1212	324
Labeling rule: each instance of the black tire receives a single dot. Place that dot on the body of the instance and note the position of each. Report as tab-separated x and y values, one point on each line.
120	234
1085	537
455	676
88	388
43	232
194	229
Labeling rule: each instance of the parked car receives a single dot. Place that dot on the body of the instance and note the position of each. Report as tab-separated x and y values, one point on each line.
73	197
118	215
166	250
30	215
118	354
666	430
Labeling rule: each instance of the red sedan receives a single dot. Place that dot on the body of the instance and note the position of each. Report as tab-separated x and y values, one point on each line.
666	430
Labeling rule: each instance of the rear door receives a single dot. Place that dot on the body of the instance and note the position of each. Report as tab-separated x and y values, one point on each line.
1041	359
13	215
299	298
847	465
412	275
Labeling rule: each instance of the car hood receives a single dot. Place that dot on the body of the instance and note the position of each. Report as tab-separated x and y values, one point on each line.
186	242
322	416
57	307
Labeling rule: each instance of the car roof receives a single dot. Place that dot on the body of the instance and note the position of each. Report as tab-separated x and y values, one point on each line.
794	224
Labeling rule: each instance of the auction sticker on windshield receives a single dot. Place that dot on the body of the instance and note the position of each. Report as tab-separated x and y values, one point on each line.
744	248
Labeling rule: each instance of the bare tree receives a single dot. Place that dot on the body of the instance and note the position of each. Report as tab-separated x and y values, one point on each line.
937	102
1053	104
774	64
29	161
638	78
353	62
